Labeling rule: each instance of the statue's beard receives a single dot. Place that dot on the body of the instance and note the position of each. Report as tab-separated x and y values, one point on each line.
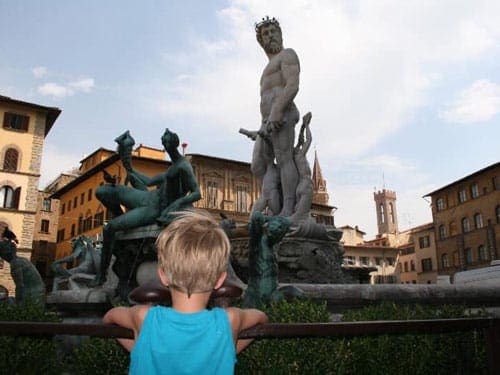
273	47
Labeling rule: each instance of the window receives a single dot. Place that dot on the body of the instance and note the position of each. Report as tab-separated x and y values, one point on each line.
87	223
69	205
9	198
468	256
46	204
382	213
89	195
412	265
82	198
98	219
75	202
483	253
465	225
63	208
474	191
14	121
80	224
378	261
456	259
212	194
442	232
390	261
363	261
10	160
496	183
462	196
391	212
426	265
60	235
424	241
349	260
44	228
241	198
406	266
478	221
440	204
72	230
445	261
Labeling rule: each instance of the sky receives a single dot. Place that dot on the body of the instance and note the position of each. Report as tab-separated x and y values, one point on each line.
404	95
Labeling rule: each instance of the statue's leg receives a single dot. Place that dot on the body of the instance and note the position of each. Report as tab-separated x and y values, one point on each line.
283	150
131	219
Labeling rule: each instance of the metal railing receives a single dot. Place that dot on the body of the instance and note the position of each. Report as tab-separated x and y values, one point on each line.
490	327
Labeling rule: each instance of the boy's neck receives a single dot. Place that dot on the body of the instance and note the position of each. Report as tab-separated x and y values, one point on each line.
181	303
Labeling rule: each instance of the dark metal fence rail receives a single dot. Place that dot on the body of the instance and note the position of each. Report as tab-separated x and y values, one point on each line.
490	327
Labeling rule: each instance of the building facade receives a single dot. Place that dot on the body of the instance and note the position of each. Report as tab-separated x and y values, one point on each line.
22	135
466	216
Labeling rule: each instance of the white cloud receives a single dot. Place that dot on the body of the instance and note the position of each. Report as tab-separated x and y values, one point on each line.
477	103
55	90
39	71
84	84
61	91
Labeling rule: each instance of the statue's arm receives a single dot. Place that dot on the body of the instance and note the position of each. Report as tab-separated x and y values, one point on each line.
308	140
189	180
146	180
290	71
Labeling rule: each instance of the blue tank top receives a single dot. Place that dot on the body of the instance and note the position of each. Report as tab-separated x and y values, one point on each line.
171	342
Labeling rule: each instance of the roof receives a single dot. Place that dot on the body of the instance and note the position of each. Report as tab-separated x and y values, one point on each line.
52	112
220	159
481	171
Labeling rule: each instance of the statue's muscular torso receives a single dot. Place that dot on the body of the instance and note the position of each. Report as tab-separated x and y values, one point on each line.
273	81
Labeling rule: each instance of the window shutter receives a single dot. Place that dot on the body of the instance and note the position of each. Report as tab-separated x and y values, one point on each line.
15	200
6	120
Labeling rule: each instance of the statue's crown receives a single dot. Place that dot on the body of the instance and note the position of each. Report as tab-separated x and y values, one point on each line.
266	21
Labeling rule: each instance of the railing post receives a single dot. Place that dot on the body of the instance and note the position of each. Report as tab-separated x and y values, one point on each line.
492	338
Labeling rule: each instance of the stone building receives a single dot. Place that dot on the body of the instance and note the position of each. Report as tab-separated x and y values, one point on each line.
46	221
24	128
466	216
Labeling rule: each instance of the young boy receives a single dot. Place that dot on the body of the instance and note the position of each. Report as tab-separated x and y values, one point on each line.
193	255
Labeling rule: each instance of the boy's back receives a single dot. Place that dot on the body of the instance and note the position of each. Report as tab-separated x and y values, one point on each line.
171	342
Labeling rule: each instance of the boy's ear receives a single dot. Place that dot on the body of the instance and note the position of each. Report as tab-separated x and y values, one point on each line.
219	283
162	276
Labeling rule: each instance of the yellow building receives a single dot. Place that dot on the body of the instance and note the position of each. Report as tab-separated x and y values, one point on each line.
24	128
466	216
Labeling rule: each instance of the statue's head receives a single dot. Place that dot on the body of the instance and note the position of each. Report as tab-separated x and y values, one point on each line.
277	227
7	250
268	33
170	140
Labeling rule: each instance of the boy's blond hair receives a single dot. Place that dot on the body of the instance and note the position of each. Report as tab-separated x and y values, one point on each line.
193	251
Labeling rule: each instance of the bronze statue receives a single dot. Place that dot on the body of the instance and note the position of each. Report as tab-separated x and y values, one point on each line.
176	189
263	286
29	283
89	261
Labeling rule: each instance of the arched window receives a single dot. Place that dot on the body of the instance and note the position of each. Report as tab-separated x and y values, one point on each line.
445	260
9	198
382	213
478	221
391	212
10	160
465	225
442	232
483	253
